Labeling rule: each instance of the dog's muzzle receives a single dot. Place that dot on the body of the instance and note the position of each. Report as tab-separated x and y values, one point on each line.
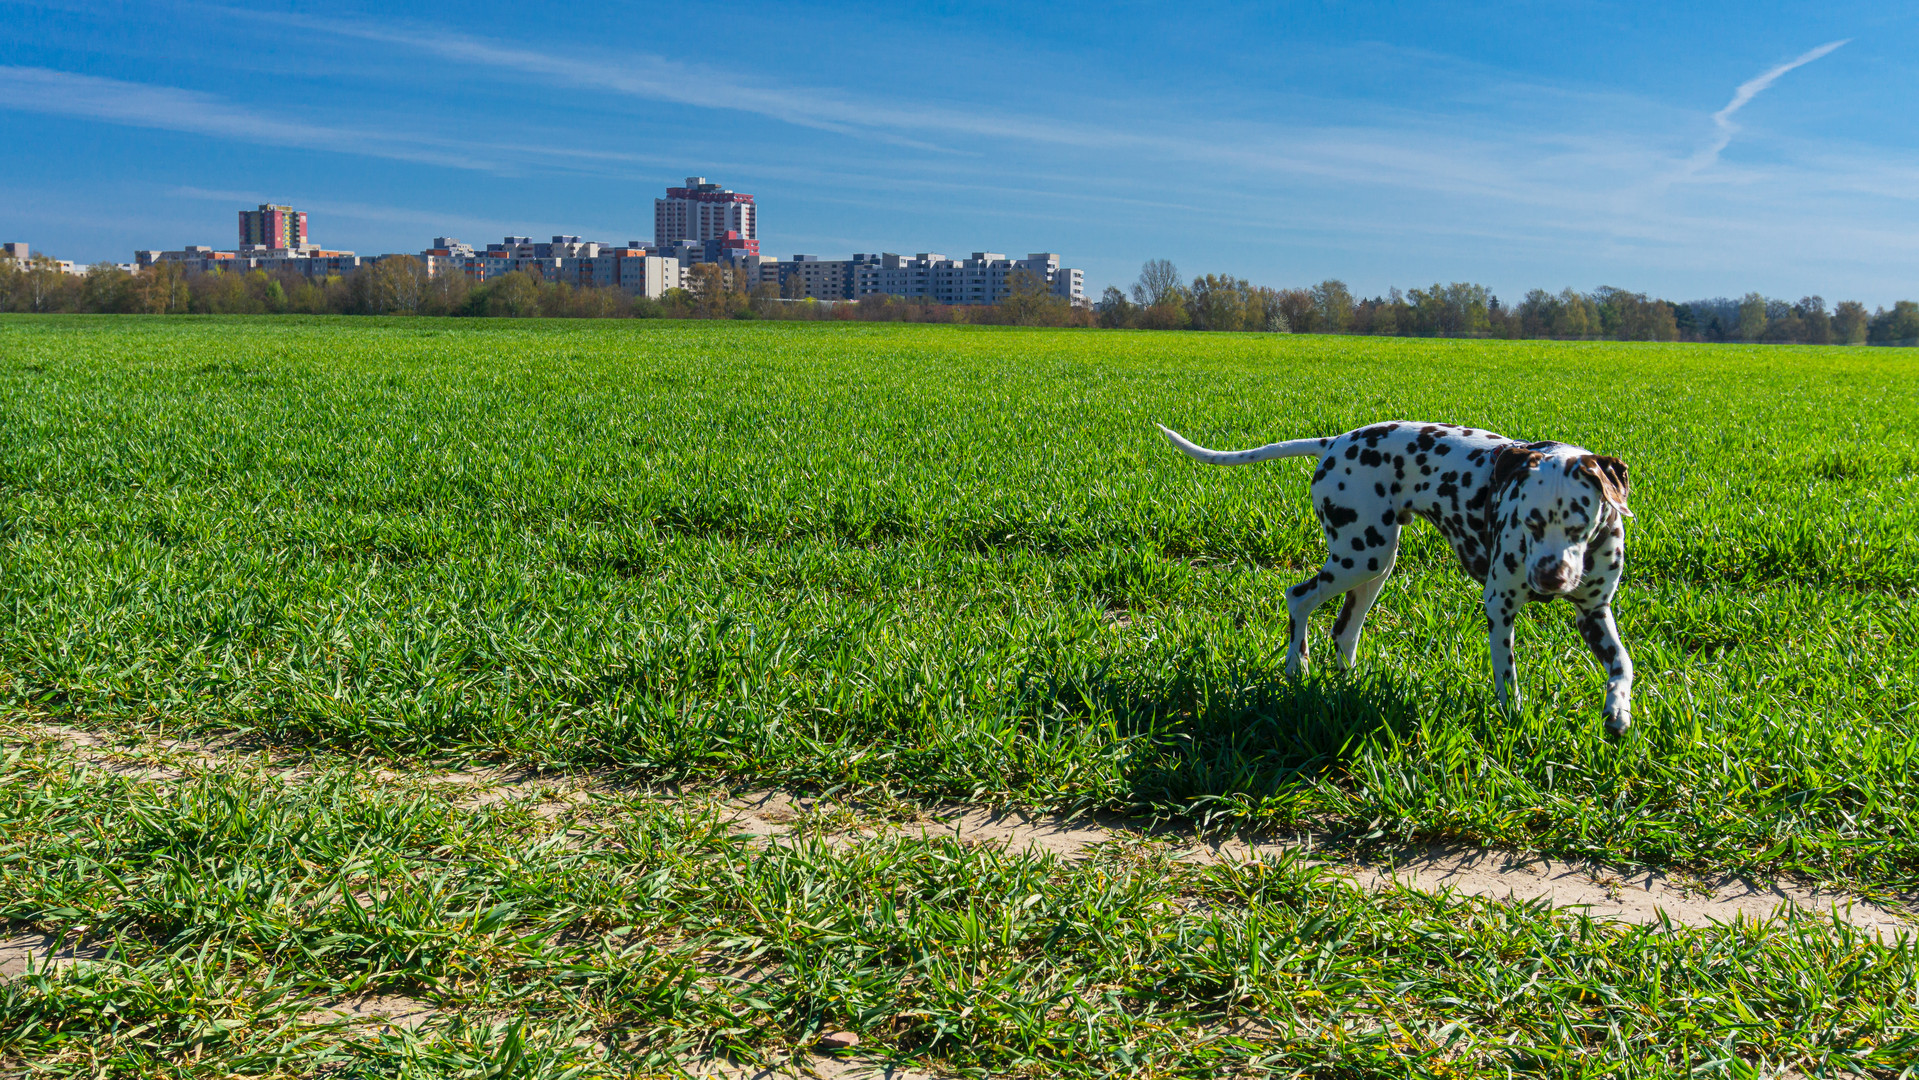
1552	576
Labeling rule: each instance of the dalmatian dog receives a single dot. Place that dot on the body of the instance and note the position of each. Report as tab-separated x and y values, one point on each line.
1532	522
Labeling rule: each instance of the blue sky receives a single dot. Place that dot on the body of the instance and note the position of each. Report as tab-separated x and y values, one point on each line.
1686	150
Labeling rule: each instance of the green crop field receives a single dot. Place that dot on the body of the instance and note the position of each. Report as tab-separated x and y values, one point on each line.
908	565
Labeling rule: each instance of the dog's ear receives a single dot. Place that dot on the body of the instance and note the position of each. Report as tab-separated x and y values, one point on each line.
1509	460
1610	474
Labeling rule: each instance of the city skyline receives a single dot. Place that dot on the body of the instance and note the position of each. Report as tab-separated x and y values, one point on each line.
698	222
1712	151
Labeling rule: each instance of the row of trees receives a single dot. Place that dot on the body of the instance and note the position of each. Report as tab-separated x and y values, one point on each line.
1162	300
400	285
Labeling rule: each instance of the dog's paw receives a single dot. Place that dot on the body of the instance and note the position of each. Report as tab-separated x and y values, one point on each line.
1618	721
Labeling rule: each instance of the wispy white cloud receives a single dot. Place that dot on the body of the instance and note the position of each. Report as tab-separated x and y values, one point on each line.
654	78
1399	150
1390	156
1722	120
62	93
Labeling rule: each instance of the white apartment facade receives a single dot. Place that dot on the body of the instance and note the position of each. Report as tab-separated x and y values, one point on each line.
200	259
985	278
702	211
632	269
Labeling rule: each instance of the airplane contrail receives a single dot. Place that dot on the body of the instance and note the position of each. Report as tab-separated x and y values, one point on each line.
1746	92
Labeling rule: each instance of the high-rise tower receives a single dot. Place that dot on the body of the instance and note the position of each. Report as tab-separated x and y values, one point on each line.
701	211
273	227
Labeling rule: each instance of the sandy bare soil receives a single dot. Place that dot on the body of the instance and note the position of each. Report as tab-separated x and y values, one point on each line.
1636	895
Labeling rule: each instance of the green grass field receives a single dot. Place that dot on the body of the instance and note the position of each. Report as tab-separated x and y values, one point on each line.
922	563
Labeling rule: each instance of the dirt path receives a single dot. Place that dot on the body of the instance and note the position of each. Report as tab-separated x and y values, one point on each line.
1632	895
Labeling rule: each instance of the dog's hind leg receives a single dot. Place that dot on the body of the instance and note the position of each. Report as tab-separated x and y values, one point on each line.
1352	615
1303	598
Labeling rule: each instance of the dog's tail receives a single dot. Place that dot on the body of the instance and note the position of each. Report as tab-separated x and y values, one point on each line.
1292	448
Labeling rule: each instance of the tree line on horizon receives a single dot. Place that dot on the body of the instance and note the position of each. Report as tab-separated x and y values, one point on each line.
1159	300
400	285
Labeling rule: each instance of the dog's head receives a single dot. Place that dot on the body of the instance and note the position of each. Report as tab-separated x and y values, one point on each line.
1556	503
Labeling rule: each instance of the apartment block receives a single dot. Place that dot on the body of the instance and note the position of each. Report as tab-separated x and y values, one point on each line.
633	268
985	278
200	259
809	277
701	211
275	227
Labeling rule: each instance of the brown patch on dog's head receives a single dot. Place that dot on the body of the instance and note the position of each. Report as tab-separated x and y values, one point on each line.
1610	474
1509	460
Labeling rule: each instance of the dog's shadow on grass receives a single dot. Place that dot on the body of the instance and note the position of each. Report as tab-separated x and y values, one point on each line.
1234	740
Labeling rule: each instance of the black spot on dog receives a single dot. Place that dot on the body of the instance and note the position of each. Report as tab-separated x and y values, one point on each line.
1358	544
1592	627
1335	515
1345	614
1373	538
1372	563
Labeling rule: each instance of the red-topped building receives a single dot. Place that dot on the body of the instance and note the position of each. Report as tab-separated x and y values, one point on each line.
273	227
703	212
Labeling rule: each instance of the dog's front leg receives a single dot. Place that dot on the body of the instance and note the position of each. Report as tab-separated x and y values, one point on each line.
1602	637
1502	609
